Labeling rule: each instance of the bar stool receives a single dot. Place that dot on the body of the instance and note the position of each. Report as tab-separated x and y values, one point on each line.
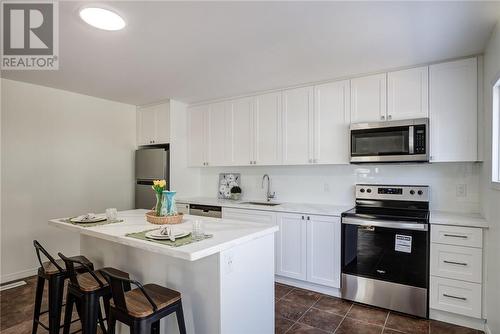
53	272
85	290
141	308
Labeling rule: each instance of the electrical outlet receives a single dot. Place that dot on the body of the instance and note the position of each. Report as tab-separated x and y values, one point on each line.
461	190
326	187
228	259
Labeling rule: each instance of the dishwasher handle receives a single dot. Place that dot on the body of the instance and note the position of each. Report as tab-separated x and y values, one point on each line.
205	210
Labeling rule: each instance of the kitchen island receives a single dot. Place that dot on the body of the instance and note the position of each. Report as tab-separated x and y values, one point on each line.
226	282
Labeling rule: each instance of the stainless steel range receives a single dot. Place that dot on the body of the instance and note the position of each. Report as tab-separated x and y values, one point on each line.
385	248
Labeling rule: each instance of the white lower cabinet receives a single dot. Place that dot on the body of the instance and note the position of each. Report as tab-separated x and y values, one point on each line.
307	246
456	270
291	248
323	250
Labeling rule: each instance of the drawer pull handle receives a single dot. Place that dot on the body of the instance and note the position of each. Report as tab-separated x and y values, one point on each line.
457	263
456	236
454	297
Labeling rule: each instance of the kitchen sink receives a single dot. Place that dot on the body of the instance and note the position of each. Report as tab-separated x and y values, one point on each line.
261	203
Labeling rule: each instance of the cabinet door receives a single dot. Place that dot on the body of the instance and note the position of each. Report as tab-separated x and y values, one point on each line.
331	123
291	246
297	126
453	111
197	135
323	250
219	134
408	94
368	98
146	125
242	129
162	123
267	130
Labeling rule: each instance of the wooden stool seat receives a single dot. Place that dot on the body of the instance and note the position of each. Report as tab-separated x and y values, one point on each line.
50	268
87	283
139	307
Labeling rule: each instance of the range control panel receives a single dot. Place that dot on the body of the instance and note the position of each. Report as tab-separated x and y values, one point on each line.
392	192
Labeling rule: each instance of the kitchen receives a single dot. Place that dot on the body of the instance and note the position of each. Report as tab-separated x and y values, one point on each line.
390	163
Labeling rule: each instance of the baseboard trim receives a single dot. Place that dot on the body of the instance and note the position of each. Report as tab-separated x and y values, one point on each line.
18	275
487	329
308	286
458	319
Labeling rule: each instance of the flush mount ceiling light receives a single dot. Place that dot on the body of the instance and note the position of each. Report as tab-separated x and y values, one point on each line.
102	18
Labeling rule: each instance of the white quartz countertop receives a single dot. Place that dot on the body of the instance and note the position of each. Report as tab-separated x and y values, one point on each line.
313	209
458	219
226	234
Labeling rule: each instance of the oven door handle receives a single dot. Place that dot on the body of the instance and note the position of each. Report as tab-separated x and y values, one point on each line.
384	223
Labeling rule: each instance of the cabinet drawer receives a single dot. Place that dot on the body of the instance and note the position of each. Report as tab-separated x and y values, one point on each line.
457	262
254	216
455	296
457	235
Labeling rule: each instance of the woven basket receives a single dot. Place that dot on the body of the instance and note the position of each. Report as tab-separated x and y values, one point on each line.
154	219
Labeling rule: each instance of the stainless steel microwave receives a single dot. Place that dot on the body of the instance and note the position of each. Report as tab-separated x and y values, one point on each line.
393	141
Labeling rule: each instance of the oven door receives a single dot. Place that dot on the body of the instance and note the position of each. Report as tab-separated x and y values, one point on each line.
397	141
395	252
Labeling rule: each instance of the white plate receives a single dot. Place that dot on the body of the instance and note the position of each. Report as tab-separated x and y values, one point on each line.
87	221
157	236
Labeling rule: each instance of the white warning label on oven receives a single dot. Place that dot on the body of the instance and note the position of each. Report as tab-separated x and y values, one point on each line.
403	243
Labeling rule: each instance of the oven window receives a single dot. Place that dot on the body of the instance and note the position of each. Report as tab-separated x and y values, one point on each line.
386	141
394	255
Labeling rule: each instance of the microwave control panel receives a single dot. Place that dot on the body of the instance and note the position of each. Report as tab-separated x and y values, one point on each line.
419	139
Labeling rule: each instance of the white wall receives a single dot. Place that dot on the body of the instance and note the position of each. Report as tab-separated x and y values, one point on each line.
62	154
335	184
491	197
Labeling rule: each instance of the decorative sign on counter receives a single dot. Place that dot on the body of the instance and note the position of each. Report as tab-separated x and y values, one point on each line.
226	182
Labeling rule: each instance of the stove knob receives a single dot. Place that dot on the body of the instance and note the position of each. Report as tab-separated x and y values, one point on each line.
368	190
412	192
362	190
420	192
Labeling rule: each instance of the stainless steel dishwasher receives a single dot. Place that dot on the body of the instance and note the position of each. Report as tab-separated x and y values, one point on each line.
205	210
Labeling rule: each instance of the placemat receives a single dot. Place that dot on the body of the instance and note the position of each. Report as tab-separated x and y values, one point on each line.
103	222
188	239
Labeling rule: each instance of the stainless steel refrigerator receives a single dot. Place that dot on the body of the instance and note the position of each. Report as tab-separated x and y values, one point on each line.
150	164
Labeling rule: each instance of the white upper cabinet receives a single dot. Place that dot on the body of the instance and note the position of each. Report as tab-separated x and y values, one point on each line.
297	126
267	129
408	94
331	123
242	130
453	111
368	98
153	124
197	130
220	134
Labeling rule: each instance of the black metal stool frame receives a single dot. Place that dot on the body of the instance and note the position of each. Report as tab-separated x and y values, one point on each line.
56	291
87	302
148	324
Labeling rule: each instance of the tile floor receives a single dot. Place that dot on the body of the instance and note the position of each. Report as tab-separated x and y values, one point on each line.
297	312
305	312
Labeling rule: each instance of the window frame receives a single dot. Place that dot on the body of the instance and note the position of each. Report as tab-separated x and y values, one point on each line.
495	136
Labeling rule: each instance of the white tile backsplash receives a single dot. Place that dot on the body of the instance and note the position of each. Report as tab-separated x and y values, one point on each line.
334	184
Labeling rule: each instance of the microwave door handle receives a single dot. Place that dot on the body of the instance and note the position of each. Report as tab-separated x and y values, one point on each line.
384	223
411	143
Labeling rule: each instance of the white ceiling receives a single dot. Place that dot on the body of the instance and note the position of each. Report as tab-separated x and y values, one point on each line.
198	51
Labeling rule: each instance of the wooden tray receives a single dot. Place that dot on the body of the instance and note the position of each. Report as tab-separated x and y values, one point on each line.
153	219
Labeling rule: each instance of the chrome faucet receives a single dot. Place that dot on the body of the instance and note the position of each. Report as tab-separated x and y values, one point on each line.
269	195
